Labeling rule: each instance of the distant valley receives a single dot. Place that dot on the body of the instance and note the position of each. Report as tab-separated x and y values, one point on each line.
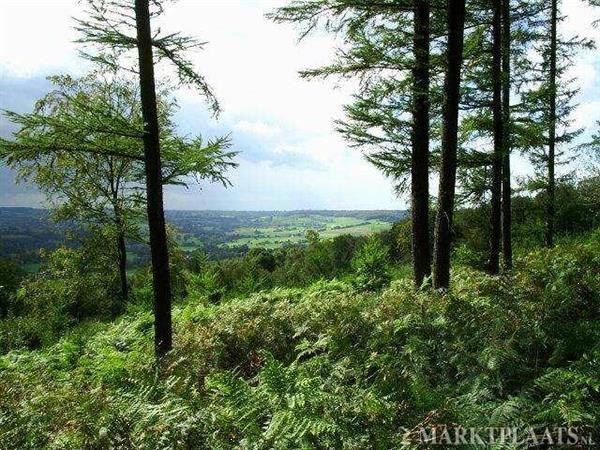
220	234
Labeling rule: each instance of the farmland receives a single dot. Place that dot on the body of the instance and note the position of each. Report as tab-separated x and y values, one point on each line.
281	230
221	234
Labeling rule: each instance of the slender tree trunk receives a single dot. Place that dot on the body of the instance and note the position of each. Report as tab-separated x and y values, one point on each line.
551	183
420	144
161	275
121	247
445	207
122	255
506	188
496	202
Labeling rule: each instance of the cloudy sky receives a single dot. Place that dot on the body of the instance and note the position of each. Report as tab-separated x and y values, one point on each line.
290	156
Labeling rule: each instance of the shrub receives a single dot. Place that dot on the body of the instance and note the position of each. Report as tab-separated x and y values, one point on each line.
11	275
73	285
371	264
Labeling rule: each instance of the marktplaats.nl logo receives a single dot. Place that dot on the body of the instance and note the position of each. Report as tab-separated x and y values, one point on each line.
521	436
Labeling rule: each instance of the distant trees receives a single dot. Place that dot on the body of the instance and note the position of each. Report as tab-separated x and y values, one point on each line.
82	146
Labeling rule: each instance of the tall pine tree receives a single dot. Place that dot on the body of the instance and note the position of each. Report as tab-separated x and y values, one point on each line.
506	150
82	146
387	46
447	186
547	103
115	28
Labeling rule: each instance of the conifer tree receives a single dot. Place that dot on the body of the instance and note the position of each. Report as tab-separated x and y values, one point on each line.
161	273
548	104
82	145
487	131
447	185
506	150
420	143
484	129
498	127
115	28
387	47
552	92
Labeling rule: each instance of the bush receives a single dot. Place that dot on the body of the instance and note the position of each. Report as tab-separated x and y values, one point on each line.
73	285
11	275
371	264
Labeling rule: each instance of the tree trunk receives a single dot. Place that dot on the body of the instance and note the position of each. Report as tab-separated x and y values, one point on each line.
496	202
549	238
161	276
506	188
445	207
121	247
420	145
122	256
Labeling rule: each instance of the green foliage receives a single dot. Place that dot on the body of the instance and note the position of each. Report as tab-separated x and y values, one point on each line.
326	366
299	265
72	285
206	282
371	264
262	268
577	212
11	275
380	58
82	145
109	38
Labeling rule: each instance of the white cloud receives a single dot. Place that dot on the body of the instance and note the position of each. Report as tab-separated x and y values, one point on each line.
37	37
587	114
257	127
263	185
586	68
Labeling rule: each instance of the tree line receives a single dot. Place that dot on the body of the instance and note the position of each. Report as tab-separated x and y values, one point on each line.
436	80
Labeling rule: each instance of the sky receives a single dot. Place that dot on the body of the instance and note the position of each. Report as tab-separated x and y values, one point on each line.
290	156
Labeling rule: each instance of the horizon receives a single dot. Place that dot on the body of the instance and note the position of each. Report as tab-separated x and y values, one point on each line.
238	210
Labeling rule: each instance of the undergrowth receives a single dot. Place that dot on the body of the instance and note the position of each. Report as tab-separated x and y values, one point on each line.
328	366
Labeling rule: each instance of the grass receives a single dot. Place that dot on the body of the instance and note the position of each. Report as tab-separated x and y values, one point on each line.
274	231
293	231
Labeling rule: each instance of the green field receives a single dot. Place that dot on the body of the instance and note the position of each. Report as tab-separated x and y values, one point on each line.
277	231
220	234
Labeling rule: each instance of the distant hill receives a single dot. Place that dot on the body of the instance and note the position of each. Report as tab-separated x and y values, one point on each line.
221	234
